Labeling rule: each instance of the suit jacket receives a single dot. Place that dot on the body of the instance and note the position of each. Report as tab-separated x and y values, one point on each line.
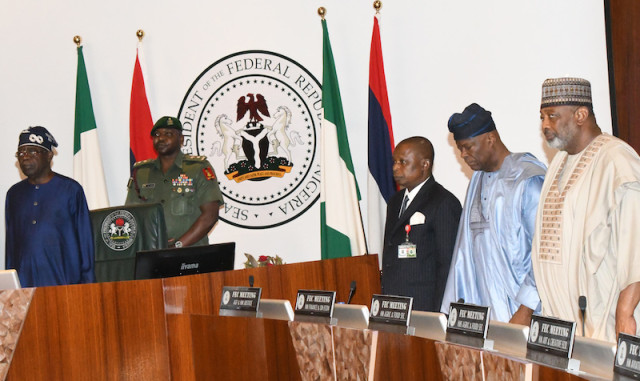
424	277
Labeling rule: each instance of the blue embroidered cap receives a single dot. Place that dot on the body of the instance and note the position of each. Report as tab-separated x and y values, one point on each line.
473	121
37	136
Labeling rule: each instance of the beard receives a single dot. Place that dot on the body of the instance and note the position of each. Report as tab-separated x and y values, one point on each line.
557	143
561	139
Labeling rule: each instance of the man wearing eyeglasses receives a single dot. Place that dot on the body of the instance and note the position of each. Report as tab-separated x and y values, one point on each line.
185	185
49	238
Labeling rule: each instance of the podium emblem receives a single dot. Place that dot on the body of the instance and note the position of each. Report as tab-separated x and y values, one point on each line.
119	230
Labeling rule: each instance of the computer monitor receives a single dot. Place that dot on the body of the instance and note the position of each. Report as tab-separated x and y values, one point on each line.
165	263
9	280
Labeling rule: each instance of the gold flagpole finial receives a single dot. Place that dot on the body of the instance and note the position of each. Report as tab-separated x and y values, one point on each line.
322	12
140	34
77	40
377	5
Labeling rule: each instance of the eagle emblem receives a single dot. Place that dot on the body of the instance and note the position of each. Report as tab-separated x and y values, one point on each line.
261	145
254	106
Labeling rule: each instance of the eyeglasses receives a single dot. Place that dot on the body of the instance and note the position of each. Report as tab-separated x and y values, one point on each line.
29	152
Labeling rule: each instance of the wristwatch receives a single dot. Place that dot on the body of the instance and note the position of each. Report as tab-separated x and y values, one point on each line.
178	244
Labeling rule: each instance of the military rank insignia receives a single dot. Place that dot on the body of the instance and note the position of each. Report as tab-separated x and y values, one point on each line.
208	173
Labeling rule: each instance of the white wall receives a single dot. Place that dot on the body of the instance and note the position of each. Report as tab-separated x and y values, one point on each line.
439	56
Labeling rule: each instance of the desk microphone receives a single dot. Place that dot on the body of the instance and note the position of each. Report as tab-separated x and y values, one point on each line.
352	291
582	303
250	280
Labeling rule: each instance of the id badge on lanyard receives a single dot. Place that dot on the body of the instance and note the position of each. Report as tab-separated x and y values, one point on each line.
407	249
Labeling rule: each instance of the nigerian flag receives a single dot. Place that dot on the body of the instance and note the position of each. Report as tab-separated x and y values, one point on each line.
341	231
87	162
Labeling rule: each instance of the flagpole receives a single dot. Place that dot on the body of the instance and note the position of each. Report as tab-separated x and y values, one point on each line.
88	170
140	118
322	13
380	142
377	5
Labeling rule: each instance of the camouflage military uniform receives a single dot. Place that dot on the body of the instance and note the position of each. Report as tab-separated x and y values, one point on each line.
189	183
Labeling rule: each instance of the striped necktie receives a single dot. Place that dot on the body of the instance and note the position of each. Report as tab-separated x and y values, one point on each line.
405	201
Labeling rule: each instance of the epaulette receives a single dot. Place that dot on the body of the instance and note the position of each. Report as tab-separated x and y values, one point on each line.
143	162
194	158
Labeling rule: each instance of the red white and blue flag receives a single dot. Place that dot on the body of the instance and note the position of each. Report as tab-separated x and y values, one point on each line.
140	121
380	183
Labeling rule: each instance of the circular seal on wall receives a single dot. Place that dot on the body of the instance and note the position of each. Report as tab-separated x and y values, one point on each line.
119	230
256	116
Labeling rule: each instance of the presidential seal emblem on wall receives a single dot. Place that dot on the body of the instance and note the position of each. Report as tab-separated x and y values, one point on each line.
256	116
119	230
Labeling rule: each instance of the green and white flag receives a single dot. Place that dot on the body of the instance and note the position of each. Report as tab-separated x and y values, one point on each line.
87	161
341	231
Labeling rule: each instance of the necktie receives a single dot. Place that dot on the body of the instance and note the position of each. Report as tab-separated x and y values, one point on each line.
405	201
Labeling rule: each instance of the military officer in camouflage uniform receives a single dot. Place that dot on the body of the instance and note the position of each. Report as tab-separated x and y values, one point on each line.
185	185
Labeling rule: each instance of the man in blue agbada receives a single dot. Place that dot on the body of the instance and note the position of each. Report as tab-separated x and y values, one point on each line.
491	263
49	239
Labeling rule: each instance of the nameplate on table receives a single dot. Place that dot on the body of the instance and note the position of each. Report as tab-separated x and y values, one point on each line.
239	299
468	320
389	309
391	313
315	303
552	336
627	362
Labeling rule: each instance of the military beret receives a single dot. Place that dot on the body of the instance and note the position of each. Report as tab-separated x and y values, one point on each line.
167	122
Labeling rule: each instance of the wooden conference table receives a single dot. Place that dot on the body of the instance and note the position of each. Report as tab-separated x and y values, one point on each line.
169	329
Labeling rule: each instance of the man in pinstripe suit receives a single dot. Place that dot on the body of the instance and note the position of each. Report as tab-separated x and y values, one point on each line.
431	214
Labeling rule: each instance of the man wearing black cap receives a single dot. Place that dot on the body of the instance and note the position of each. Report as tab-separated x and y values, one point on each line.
491	263
586	239
185	185
421	225
49	238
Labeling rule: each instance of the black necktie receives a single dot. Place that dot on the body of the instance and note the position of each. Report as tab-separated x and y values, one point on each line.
405	201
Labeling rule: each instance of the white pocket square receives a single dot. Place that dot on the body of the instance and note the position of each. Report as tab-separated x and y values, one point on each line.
416	219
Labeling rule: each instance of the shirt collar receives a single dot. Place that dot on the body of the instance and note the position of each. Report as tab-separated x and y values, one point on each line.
177	162
414	191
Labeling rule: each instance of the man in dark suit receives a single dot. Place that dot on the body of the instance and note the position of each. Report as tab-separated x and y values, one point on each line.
431	214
